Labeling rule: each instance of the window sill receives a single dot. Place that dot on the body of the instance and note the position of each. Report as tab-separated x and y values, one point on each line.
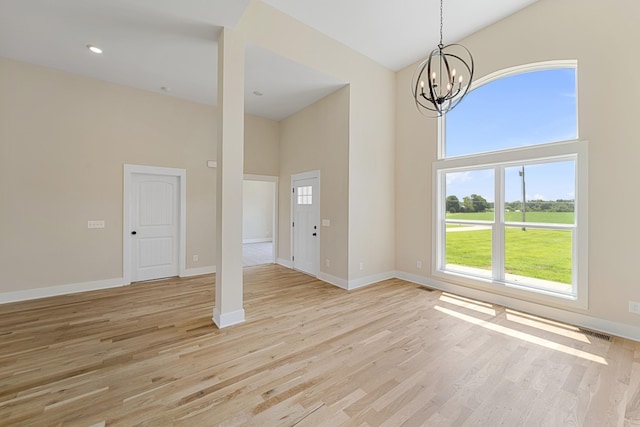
478	279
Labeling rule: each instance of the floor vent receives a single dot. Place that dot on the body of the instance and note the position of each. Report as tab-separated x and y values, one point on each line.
595	334
424	288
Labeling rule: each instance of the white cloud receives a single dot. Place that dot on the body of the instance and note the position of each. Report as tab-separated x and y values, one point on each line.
458	177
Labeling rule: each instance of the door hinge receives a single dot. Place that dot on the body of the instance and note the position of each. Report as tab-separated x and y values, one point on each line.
293	258
293	224
293	190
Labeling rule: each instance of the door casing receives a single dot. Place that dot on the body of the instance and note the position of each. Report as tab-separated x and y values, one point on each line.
129	171
300	176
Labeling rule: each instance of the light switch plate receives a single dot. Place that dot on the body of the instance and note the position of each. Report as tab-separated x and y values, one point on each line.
95	224
326	223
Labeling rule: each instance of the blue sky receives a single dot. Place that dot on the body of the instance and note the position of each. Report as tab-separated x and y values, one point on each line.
549	181
519	110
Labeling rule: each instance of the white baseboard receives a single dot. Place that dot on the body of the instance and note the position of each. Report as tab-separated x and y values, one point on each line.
335	281
51	291
190	272
603	325
355	283
263	240
370	280
222	320
285	263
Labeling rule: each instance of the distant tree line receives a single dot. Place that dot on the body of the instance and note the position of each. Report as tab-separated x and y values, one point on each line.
560	205
477	203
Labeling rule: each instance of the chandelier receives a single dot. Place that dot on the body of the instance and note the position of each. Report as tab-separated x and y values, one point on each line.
443	79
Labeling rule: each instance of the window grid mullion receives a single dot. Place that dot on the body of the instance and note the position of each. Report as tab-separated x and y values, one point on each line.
497	241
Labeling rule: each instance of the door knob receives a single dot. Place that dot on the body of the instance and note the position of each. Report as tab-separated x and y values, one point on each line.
314	234
134	232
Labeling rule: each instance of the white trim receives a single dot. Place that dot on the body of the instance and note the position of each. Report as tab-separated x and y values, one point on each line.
295	177
306	175
576	151
524	68
284	262
352	284
333	280
370	280
274	226
190	272
263	240
129	170
578	319
506	72
227	319
52	291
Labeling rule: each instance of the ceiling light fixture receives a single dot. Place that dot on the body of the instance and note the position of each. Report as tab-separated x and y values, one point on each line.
94	49
443	79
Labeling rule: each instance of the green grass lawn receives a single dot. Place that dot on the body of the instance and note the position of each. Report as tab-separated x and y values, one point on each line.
541	254
545	217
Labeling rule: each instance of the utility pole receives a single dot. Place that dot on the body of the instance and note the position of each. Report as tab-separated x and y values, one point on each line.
524	200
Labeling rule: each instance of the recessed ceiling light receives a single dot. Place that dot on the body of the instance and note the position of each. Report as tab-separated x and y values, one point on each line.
257	93
94	49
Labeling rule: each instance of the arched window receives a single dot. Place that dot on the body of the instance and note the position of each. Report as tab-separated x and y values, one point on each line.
511	185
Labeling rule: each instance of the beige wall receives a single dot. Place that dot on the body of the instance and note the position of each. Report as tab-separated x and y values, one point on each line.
371	175
370	228
317	138
261	146
63	142
602	37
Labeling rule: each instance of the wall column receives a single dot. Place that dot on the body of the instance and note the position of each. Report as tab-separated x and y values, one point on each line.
228	308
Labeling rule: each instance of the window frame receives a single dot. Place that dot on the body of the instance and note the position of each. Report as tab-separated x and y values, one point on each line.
506	72
574	150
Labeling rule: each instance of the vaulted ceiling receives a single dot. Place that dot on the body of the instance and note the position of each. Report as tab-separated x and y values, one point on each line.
172	44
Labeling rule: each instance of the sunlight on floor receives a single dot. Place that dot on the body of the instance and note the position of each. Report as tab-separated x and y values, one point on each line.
480	307
523	336
547	325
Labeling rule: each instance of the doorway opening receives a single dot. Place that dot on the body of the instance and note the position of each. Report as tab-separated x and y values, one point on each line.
259	219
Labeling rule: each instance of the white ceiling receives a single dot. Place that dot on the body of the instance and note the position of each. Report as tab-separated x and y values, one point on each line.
397	33
149	44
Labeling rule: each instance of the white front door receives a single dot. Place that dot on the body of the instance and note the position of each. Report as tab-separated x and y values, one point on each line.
155	226
306	223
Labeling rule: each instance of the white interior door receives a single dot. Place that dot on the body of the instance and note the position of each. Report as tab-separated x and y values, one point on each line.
155	226
306	225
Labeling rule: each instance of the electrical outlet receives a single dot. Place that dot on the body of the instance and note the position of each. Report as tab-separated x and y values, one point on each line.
95	224
419	264
195	258
634	307
327	262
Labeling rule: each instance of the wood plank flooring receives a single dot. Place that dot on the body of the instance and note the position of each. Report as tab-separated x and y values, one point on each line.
309	354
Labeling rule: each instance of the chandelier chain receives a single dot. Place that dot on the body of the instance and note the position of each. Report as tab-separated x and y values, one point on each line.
441	23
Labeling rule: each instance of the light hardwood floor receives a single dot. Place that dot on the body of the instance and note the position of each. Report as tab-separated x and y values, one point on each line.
309	354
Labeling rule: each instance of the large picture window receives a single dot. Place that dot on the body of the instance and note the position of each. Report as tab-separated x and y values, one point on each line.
511	185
